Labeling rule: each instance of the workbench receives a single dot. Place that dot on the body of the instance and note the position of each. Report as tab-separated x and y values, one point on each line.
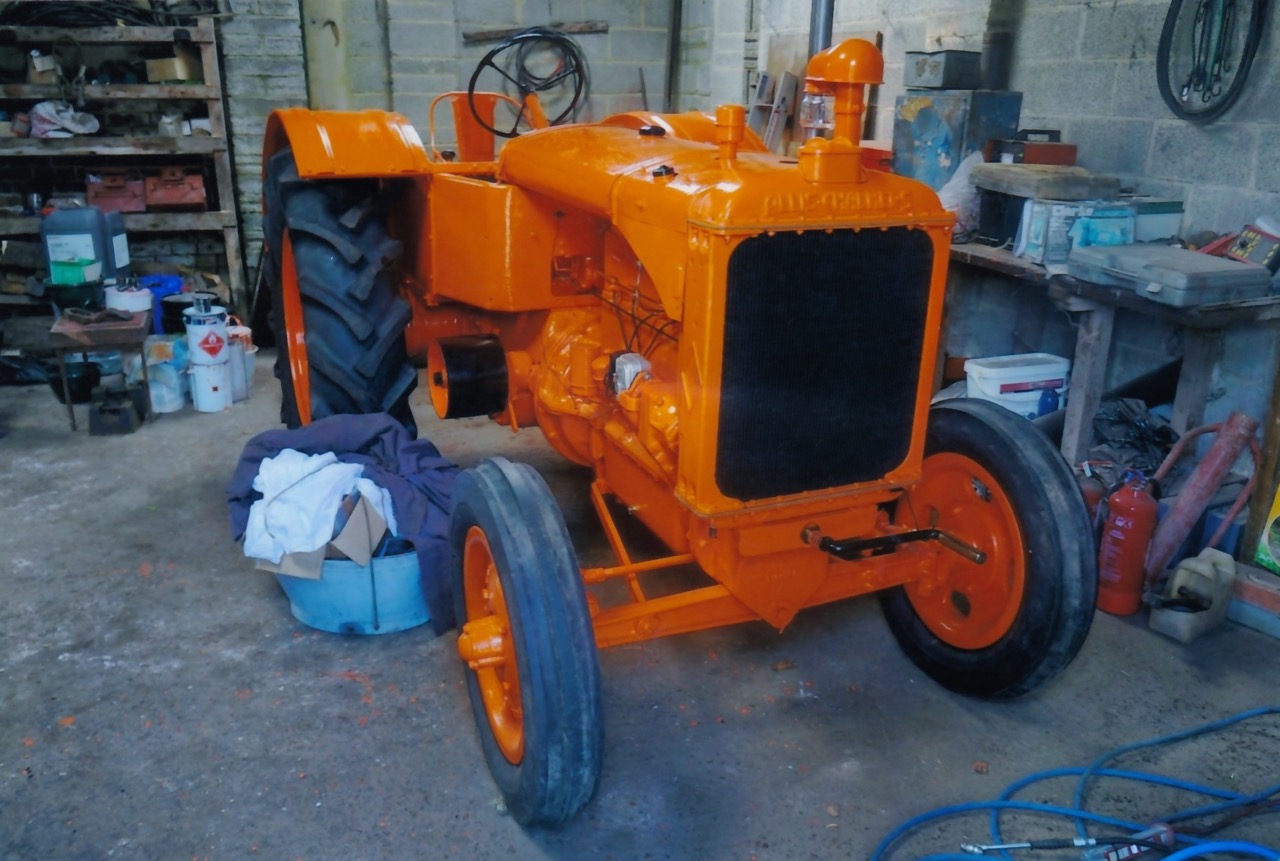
1202	328
68	336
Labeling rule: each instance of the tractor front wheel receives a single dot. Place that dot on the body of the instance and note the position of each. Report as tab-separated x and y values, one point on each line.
525	635
1001	627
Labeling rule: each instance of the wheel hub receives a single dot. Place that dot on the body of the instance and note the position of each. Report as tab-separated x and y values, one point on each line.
967	604
484	642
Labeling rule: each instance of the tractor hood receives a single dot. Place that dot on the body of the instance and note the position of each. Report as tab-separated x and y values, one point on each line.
625	174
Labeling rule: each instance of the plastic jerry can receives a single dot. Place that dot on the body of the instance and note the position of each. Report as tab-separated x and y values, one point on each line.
86	240
1211	575
118	260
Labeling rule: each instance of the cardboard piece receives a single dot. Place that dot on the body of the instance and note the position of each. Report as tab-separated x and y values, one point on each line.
185	65
356	540
42	69
1049	229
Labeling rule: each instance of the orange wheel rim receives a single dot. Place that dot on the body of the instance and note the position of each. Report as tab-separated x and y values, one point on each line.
295	331
485	644
965	604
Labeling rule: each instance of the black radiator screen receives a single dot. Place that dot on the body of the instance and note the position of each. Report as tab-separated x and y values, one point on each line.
822	340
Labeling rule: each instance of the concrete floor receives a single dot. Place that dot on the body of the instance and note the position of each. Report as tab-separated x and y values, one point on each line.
159	700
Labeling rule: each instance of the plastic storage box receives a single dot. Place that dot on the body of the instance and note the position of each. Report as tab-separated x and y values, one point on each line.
1019	383
1169	275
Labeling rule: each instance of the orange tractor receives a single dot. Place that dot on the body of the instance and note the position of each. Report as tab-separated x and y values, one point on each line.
742	347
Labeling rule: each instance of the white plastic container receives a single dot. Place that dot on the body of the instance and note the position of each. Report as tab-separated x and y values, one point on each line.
168	388
207	335
1019	383
211	387
127	300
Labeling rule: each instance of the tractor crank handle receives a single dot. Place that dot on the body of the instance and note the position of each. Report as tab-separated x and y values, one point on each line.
968	551
1062	843
857	548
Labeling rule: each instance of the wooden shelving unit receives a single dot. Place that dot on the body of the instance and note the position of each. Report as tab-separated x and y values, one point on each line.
213	148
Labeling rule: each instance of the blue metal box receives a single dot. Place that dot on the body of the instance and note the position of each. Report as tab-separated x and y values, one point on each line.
933	130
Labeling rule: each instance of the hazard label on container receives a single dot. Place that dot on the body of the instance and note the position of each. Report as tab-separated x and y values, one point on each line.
212	343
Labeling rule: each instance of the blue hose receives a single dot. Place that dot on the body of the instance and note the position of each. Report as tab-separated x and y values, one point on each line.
1238	847
1078	799
1198	847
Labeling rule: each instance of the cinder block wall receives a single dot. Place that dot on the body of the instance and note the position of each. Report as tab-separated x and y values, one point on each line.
1089	69
429	54
263	54
263	69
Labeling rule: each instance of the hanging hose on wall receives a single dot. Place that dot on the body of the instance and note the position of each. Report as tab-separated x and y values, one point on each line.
1205	54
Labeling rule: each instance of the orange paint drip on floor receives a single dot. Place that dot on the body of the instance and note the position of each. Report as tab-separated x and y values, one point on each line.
69	720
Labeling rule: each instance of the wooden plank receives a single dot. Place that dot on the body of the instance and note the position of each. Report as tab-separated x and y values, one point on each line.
1060	287
99	92
1201	350
111	146
999	260
138	222
19	225
235	272
110	35
473	37
162	222
1088	376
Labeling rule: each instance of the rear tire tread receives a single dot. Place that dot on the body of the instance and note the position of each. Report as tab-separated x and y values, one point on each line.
353	317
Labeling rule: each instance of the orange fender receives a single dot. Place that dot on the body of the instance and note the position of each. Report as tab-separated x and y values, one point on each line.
346	144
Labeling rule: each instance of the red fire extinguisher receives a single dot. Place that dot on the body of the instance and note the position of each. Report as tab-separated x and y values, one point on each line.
1131	521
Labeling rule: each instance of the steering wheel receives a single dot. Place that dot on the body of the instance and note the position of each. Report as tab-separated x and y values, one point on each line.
569	72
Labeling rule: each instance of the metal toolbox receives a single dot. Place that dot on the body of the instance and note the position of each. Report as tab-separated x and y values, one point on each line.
950	70
1170	275
176	189
117	191
933	130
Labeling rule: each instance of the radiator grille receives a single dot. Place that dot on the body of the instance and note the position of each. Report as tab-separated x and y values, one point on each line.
822	340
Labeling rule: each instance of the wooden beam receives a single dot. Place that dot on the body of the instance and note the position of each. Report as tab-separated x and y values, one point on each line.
475	37
1088	376
1202	348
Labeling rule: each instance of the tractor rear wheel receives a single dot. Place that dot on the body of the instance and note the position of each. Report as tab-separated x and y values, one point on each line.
1002	627
338	320
524	632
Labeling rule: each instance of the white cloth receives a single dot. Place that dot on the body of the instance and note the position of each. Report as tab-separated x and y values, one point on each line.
301	495
60	120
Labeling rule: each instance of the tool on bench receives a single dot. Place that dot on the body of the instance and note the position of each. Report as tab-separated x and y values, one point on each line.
86	317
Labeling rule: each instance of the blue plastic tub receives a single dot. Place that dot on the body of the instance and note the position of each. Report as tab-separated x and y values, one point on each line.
350	599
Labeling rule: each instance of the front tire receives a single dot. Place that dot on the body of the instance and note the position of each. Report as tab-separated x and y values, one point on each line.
1004	627
525	634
